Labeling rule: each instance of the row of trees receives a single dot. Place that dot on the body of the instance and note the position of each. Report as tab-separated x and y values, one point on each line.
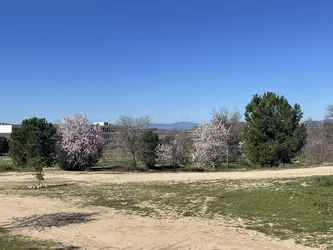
135	136
74	145
207	146
319	147
271	135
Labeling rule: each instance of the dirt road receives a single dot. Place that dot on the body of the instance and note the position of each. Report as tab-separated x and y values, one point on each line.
181	176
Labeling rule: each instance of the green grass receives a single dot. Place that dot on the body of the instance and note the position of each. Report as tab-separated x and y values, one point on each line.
115	160
6	164
8	241
300	208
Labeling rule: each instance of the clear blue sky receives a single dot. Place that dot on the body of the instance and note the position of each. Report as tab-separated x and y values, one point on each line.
171	60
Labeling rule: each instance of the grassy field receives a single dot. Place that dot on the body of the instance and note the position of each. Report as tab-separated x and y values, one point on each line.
300	208
120	160
6	165
8	241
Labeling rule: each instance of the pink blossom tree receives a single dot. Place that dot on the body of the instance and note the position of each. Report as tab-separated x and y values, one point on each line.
80	145
164	153
175	149
210	144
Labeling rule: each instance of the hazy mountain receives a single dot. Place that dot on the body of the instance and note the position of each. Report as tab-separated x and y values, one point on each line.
176	125
318	123
191	125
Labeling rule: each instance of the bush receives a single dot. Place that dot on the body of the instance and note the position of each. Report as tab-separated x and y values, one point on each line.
210	144
5	166
4	145
324	181
149	142
36	164
80	145
35	138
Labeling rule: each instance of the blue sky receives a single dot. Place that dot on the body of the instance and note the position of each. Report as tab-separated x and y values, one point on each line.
170	60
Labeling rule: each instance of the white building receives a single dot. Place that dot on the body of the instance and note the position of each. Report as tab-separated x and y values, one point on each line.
6	130
100	123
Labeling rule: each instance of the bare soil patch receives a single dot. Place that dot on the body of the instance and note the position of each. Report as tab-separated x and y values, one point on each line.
104	228
107	229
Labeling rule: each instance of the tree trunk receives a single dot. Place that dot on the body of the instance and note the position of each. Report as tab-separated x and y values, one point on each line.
134	160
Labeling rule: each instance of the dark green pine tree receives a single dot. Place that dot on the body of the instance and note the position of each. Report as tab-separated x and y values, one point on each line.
273	133
35	138
149	142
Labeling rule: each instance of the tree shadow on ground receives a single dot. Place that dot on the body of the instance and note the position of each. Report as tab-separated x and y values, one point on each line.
117	168
177	168
120	168
58	248
51	220
68	248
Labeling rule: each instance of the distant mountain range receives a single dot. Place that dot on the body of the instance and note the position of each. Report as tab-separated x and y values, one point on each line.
175	126
317	123
191	125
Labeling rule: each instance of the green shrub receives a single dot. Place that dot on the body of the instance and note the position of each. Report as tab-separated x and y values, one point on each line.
5	166
4	145
324	181
35	138
149	142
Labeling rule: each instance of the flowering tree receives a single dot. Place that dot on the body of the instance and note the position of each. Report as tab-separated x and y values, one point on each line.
231	120
80	144
174	149
164	153
210	144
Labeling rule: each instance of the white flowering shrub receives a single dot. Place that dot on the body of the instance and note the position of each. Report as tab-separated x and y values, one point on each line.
210	144
164	153
80	145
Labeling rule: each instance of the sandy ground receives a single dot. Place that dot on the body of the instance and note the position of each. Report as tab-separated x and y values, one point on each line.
107	229
107	177
104	228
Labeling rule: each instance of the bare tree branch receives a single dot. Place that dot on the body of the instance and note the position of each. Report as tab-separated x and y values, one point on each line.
130	129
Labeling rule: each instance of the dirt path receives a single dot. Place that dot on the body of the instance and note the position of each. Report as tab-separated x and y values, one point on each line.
109	177
103	228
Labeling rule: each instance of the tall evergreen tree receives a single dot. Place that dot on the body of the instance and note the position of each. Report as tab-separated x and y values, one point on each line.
149	142
273	133
35	138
